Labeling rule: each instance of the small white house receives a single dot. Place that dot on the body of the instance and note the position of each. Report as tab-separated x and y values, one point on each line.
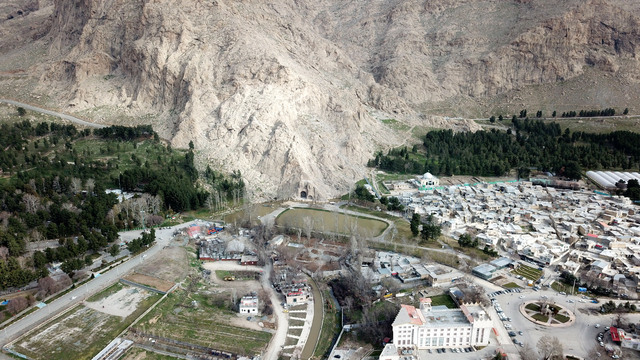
249	305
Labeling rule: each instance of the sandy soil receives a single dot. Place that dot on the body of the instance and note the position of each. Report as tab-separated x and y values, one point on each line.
123	303
241	321
242	286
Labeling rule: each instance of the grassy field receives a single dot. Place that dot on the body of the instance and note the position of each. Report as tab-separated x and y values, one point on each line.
561	318
331	222
443	299
540	317
473	252
528	272
534	307
254	211
206	324
238	275
79	334
403	227
511	285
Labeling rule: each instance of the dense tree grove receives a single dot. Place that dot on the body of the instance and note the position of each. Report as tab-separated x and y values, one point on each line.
528	144
590	113
633	190
124	133
53	187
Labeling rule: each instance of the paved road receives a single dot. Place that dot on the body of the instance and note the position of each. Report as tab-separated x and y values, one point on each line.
23	325
577	339
52	113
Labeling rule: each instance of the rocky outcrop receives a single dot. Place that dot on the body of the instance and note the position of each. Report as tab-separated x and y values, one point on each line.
292	92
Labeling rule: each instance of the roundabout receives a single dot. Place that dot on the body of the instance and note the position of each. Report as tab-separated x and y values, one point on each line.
547	313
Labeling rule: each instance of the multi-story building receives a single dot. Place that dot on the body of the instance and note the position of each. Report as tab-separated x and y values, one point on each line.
437	327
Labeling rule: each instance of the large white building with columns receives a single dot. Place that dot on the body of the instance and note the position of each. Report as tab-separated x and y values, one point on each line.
437	327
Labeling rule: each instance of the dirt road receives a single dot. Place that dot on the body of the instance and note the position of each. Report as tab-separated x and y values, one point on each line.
73	119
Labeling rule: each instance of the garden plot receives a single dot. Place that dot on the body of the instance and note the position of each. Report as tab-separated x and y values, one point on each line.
203	319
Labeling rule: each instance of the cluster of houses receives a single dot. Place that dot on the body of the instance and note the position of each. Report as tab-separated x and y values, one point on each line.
217	246
292	284
540	225
407	269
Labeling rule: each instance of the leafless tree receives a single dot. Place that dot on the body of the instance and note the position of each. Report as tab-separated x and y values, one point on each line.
265	306
46	286
90	184
4	252
595	353
112	214
72	208
31	203
4	219
17	304
620	321
75	185
308	226
550	348
36	235
527	353
153	204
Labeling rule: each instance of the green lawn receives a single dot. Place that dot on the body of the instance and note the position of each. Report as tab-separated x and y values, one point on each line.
561	318
540	317
534	307
511	285
443	299
330	222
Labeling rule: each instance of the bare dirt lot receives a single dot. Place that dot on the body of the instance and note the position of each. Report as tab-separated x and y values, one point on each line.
170	264
122	303
150	281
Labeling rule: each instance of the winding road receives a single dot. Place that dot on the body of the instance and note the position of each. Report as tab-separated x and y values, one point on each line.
73	119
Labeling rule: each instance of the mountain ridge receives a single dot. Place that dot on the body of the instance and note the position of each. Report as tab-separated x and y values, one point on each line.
292	93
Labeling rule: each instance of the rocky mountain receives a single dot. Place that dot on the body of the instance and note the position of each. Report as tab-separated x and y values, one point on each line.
293	93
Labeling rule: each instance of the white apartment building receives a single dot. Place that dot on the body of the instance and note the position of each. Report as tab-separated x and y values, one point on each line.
437	327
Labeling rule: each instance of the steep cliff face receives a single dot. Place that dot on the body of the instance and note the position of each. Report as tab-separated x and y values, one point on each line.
292	93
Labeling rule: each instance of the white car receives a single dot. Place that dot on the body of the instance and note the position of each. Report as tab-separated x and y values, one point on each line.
597	326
